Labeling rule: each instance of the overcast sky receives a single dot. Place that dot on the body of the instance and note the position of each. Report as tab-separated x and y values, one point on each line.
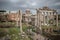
31	4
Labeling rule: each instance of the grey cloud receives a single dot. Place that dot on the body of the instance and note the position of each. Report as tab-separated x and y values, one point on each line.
24	4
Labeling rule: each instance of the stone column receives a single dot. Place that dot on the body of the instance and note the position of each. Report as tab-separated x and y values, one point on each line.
56	19
47	18
20	20
40	20
37	18
9	12
44	18
53	18
28	21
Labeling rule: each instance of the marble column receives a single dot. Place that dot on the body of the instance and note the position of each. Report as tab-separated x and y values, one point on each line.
9	12
56	19
44	18
37	19
20	20
53	19
40	27
47	18
40	20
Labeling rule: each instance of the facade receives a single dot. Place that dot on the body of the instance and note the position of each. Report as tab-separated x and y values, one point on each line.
45	16
27	17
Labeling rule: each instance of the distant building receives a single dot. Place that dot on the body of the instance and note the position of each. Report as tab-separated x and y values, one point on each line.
2	11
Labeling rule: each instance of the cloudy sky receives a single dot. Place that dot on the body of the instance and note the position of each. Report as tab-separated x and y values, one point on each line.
14	5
